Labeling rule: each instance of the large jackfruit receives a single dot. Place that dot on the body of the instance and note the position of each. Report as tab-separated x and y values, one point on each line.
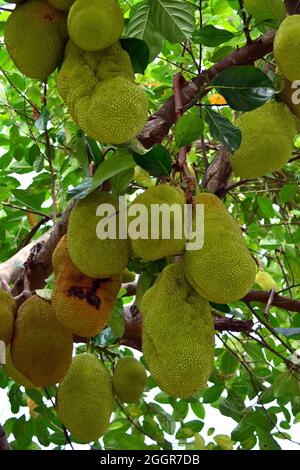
13	373
93	256
129	379
286	47
170	236
85	398
63	5
82	304
35	35
99	90
41	348
223	270
177	334
7	315
267	140
95	24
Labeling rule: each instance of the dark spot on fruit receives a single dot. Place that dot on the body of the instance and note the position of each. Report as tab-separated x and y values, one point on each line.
77	292
93	299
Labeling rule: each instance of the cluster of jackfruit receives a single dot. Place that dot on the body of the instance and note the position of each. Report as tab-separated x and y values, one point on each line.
96	80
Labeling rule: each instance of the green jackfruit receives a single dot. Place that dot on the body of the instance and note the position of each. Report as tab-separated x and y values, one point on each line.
13	373
177	334
85	398
129	379
93	256
7	315
165	244
101	95
286	47
41	348
223	270
63	5
82	304
35	35
95	24
267	140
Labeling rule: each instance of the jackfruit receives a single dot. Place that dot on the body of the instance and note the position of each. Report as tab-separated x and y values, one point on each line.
128	276
85	398
169	239
290	96
265	281
129	379
82	304
41	348
35	35
177	334
13	373
286	47
223	270
95	24
63	5
267	140
7	315
101	95
97	257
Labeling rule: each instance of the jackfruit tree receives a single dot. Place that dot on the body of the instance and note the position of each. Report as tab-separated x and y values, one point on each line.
149	225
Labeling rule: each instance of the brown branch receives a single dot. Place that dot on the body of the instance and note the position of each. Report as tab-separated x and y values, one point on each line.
158	125
4	444
278	300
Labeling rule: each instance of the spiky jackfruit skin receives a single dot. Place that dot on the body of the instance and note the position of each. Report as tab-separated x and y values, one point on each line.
177	334
7	315
223	270
93	256
99	90
286	47
267	140
151	248
129	379
41	349
95	24
63	5
82	304
43	33
85	399
13	373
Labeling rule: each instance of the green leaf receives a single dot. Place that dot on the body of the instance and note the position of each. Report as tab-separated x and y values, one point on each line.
211	36
139	53
288	332
32	200
121	181
141	26
244	87
116	321
222	130
198	409
288	192
266	10
174	19
157	161
119	441
266	207
229	363
188	128
267	442
120	161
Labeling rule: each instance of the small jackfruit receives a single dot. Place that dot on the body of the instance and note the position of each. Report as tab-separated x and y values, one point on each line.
101	95
129	379
267	140
81	304
97	257
13	373
95	24
43	33
63	5
41	349
286	47
169	239
85	398
223	270
265	281
7	315
177	334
